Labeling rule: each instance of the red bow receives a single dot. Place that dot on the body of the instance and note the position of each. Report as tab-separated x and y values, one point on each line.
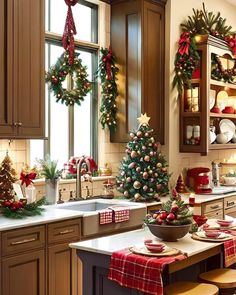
107	61
184	43
27	178
68	41
232	44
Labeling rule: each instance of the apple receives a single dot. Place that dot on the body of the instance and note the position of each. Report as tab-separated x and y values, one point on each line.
171	216
159	221
163	215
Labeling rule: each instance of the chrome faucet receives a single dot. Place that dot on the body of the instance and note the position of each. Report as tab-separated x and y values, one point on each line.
78	176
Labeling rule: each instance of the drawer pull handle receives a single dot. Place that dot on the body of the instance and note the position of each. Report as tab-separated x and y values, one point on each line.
215	207
23	241
67	231
230	203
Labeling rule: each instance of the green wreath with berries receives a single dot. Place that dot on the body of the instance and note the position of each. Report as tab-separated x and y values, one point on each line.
57	75
187	58
20	209
107	71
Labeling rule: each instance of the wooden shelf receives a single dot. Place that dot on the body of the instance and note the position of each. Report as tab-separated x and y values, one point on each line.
222	116
222	84
222	146
193	114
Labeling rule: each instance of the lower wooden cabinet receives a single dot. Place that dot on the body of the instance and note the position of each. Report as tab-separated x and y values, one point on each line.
24	274
62	270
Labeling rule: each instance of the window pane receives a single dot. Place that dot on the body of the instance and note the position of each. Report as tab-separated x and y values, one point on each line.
59	124
82	17
82	115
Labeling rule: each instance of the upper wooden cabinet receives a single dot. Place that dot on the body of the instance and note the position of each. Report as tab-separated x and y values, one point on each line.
22	91
138	40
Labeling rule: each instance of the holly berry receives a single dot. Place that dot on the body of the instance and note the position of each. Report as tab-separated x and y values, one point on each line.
7	204
174	208
171	216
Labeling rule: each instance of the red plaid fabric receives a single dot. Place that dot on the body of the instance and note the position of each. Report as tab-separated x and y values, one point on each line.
230	252
139	272
105	216
120	213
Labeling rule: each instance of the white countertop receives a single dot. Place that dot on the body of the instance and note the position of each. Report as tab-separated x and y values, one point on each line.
49	215
107	245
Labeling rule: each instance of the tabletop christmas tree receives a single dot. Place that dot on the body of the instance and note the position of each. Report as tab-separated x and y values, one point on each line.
7	178
143	173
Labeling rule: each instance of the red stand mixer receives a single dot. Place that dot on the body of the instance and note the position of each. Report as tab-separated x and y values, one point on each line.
198	179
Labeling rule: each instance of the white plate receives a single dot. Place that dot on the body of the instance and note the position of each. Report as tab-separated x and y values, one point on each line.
212	136
222	100
228	128
201	234
212	98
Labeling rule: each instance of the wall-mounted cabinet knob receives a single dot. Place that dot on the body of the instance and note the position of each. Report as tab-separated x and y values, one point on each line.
17	124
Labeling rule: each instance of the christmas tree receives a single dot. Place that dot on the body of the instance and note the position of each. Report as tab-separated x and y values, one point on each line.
143	173
7	178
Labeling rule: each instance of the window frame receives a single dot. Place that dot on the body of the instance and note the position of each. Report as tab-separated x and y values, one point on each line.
93	48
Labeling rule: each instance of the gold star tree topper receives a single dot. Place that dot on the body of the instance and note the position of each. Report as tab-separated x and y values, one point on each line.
143	120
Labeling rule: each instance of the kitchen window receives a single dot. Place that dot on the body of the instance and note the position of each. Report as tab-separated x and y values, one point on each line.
70	131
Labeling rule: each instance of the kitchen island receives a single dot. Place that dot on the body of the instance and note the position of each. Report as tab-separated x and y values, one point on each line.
95	255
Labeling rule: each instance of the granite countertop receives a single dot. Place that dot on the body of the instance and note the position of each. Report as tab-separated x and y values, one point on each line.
107	245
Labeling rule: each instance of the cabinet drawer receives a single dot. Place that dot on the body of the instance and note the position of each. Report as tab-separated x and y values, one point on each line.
21	240
212	206
215	214
230	202
64	231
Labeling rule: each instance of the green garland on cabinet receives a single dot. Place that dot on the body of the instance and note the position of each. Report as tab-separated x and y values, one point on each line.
18	209
57	75
187	58
107	71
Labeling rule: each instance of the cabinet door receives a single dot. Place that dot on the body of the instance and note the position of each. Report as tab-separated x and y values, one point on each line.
24	274
28	67
153	67
6	115
126	44
62	270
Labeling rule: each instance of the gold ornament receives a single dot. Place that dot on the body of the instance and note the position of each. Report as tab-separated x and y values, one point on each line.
143	120
146	158
137	197
133	154
137	185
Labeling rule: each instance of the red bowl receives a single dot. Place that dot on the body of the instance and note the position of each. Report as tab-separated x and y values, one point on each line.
157	248
214	234
199	219
224	223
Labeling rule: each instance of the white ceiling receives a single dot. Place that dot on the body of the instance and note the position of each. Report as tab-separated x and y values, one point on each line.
232	2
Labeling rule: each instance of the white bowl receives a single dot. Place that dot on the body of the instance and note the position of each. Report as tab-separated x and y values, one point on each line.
229	180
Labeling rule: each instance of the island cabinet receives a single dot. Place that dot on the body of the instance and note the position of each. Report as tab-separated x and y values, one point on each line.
230	206
22	69
37	260
137	39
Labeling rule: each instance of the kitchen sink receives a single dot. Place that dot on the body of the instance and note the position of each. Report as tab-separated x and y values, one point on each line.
90	221
93	206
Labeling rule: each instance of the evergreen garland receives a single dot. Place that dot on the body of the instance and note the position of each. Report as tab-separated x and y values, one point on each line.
19	210
187	58
107	71
57	75
219	73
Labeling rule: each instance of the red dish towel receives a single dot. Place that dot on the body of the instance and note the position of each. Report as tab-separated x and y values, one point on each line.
229	252
120	213
139	272
105	216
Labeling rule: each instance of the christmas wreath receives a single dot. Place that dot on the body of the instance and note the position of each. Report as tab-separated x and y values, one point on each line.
20	209
107	72
57	74
187	58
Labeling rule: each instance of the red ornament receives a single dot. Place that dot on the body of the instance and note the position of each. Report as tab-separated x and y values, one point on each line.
180	185
232	44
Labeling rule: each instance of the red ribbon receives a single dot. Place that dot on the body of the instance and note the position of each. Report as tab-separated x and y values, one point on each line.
68	41
184	43
232	44
107	61
27	178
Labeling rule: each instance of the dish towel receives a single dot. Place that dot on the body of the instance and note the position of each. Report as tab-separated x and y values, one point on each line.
229	252
120	213
105	216
139	272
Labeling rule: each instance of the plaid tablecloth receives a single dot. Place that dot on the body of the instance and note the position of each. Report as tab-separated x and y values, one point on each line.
139	272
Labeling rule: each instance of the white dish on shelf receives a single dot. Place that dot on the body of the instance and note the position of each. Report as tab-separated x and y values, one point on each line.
222	99
227	127
212	136
212	98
